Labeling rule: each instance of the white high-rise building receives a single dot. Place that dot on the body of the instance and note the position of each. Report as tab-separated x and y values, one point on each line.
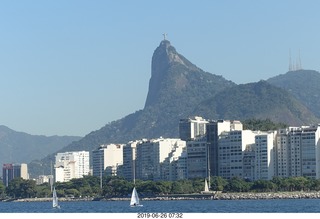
197	153
214	129
298	152
230	152
69	165
178	168
282	153
129	159
192	128
154	157
310	151
107	159
264	156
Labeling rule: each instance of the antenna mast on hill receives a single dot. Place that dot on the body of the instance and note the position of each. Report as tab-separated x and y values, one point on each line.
295	66
290	62
300	66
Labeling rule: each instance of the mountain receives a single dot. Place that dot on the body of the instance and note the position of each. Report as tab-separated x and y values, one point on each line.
259	100
20	147
179	89
304	85
176	86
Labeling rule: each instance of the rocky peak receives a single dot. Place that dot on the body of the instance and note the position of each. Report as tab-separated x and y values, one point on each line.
164	57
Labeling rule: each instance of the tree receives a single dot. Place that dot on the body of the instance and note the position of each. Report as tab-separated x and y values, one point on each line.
2	190
263	186
72	192
237	184
218	183
21	188
164	187
182	187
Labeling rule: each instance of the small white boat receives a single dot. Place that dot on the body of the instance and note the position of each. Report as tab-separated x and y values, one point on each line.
135	201
55	203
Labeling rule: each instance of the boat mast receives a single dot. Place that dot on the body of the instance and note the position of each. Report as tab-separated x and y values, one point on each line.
134	172
209	184
100	173
51	181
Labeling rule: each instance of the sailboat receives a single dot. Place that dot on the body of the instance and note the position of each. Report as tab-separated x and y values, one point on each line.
206	188
135	201
55	203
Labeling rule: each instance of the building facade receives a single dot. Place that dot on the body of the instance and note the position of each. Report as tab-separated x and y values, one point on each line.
230	153
155	158
298	152
107	160
192	128
11	171
264	158
129	159
214	129
197	158
69	165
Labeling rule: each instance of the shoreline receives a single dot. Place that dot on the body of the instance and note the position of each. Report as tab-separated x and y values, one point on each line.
267	195
209	196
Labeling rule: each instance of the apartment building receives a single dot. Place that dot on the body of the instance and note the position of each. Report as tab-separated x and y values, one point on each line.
129	159
197	158
249	162
264	155
154	158
192	128
69	165
214	128
298	152
11	171
107	160
231	146
44	179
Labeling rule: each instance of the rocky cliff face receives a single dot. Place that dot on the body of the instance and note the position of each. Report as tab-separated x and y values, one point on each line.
172	73
163	58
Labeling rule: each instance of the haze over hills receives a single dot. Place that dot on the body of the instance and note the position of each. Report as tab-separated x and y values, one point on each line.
304	85
20	147
179	89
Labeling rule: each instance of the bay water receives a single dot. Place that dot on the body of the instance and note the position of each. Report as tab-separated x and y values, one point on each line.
169	206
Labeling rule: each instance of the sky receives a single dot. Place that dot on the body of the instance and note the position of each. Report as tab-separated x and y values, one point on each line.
71	67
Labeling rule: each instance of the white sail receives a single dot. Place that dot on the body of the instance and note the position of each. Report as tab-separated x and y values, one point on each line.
206	187
55	203
134	198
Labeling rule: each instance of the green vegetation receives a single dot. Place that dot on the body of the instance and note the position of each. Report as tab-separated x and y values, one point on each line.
89	186
303	84
262	125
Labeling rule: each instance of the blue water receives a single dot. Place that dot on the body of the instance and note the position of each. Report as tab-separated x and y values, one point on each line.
185	206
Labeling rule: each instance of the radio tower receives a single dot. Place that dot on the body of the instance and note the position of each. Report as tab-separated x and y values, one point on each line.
290	62
295	66
300	66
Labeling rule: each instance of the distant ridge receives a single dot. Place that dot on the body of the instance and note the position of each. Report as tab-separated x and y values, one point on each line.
20	147
259	100
304	85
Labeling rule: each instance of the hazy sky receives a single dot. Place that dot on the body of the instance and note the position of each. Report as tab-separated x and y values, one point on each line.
68	67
